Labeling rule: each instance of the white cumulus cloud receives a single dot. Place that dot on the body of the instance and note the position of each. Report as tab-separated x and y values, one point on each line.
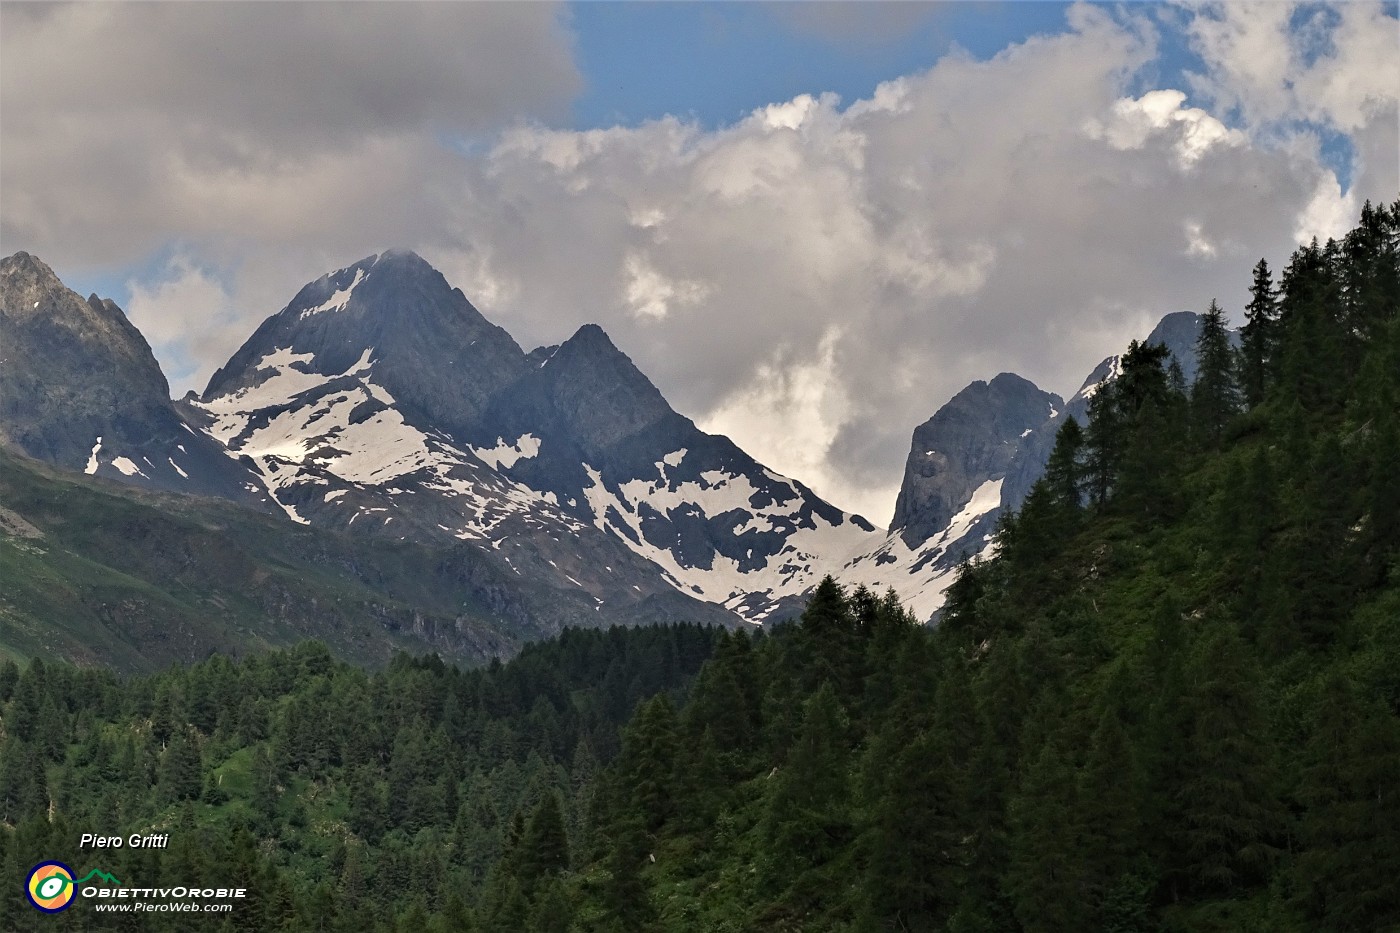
814	280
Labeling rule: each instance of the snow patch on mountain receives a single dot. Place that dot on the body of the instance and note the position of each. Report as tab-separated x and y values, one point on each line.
812	546
127	467
305	428
339	299
1089	390
526	447
922	574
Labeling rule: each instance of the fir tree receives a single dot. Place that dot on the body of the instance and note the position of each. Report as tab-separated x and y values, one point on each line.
1258	337
1064	472
544	848
1214	394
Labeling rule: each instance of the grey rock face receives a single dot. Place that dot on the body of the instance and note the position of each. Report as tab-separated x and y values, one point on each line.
1178	333
970	440
80	388
978	457
432	350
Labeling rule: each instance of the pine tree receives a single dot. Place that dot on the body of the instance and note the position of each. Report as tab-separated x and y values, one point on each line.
544	848
9	677
1258	337
1149	467
1114	413
624	893
647	765
1317	553
1315	367
829	647
1064	472
1370	271
807	821
503	905
1104	441
1112	785
1226	813
552	911
1046	880
1214	394
181	772
918	844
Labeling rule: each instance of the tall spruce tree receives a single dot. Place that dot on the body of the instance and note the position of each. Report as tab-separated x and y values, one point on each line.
1064	471
544	848
1259	336
1214	394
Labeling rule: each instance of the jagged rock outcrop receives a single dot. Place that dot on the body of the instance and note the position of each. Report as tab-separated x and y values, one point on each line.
81	389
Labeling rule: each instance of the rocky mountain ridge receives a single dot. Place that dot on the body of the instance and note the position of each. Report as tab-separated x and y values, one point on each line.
380	402
81	389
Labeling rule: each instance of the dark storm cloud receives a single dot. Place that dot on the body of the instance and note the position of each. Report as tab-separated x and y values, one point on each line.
115	113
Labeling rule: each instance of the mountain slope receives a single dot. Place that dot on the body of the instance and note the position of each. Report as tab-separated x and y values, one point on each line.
976	460
97	572
380	401
972	438
80	388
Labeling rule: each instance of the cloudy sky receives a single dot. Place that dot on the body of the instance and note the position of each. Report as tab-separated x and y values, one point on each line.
810	224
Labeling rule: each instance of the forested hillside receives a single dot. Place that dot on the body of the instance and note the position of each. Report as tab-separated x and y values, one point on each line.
340	799
1170	702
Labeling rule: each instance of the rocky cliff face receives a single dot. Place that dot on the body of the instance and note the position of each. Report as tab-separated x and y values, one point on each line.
80	388
975	459
971	439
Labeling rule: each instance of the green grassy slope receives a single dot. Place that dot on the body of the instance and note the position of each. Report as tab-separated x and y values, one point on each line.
99	574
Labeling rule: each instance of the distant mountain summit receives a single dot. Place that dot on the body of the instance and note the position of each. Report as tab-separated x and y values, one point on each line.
972	438
80	388
976	459
559	484
381	401
430	348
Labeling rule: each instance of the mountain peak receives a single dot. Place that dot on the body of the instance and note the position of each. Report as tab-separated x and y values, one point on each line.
589	348
1177	330
592	337
431	349
81	389
23	271
23	260
401	256
970	440
1010	382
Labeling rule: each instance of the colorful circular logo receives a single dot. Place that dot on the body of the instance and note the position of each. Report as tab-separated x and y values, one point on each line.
50	887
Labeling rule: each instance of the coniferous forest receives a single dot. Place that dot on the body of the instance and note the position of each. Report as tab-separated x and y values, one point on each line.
1171	702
